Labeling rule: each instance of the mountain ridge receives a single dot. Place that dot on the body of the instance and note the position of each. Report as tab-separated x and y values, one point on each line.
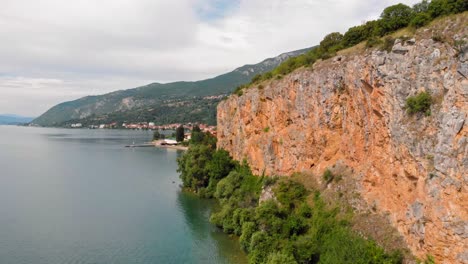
156	101
12	119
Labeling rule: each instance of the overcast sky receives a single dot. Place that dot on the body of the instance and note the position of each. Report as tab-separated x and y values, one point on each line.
57	50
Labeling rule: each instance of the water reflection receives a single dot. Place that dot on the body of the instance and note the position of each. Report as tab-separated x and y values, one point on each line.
80	196
196	212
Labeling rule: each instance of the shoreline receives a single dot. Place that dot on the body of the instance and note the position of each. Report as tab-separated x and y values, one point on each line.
157	143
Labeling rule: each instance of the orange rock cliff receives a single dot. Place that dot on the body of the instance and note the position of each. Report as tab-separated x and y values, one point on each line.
350	110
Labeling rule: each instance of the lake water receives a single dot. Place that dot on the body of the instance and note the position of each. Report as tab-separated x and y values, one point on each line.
79	197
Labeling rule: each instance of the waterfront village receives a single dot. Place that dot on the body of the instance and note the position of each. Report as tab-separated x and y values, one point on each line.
149	126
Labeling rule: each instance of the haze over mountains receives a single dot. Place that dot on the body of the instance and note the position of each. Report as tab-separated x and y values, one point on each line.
157	102
10	119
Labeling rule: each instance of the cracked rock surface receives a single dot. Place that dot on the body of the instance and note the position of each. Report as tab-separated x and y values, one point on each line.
351	109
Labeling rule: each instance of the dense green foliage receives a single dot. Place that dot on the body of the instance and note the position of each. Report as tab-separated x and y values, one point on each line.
286	229
393	18
420	103
202	166
180	132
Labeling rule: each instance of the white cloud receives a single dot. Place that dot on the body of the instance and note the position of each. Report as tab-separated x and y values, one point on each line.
54	50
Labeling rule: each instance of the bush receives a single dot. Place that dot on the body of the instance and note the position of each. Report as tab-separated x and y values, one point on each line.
437	37
420	103
420	20
373	42
357	34
328	176
290	193
281	258
256	78
239	90
388	44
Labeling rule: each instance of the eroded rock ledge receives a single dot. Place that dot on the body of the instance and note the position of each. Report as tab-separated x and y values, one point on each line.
351	110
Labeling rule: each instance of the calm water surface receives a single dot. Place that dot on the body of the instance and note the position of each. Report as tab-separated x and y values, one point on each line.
79	196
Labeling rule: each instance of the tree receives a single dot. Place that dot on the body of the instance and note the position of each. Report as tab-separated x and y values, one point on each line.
331	42
196	129
157	135
360	33
395	17
281	258
193	166
220	165
197	135
420	20
421	7
445	7
180	132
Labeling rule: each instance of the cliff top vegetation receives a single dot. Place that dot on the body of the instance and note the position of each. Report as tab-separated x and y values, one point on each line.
372	33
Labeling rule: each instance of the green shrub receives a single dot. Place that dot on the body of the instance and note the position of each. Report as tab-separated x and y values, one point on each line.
256	78
420	20
421	103
281	258
328	176
429	260
239	90
438	38
373	42
267	75
388	44
248	228
458	45
290	193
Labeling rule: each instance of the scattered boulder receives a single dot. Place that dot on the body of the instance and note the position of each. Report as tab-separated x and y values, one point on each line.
435	54
411	41
399	49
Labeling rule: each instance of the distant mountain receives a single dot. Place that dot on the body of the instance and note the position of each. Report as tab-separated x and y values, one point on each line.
7	119
160	103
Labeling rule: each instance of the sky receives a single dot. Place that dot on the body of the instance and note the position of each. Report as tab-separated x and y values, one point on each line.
53	51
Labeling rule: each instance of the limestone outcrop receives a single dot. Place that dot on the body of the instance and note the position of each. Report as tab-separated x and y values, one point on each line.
351	110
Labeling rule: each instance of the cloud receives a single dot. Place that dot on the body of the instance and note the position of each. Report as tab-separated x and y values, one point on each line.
92	47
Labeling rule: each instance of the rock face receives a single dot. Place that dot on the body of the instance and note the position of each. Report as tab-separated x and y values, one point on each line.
351	110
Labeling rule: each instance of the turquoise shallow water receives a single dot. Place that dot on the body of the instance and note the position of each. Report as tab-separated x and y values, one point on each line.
79	196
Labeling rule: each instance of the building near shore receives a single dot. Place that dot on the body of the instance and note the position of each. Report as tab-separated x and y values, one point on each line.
169	142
